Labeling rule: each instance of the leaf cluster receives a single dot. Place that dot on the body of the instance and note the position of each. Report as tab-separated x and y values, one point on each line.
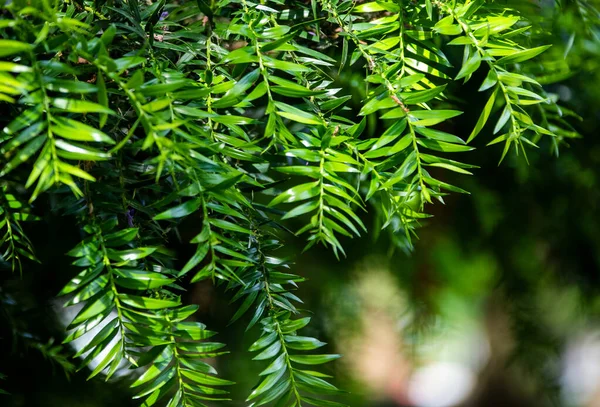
220	125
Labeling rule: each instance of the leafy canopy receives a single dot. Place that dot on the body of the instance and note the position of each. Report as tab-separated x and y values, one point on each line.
226	120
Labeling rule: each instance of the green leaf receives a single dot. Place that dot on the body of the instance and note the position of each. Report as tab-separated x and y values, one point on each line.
14	68
159	365
80	106
294	92
109	331
74	130
443	146
490	80
323	403
76	152
485	114
104	302
451	168
205	379
89	290
24	154
241	56
305	170
315	383
160	381
521	56
26	135
449	29
369	8
432	117
76	171
297	193
205	9
302	342
69	86
112	353
180	211
199	347
10	47
313	359
25	119
470	66
304	154
102	95
120	237
223	224
199	255
269	352
422	96
270	46
506	113
284	65
439	135
277	364
263	342
232	119
131	254
140	279
408	167
428	158
297	115
86	326
248	301
437	183
382	101
82	279
241	86
267	383
294	325
301	209
148	303
198	366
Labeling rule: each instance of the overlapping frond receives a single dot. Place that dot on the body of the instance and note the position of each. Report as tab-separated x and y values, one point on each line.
290	378
129	293
14	243
492	38
208	123
176	366
111	267
54	127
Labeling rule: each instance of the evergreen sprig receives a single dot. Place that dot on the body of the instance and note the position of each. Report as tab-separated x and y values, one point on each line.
226	119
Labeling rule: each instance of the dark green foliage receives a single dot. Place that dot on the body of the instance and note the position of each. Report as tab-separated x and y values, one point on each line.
222	121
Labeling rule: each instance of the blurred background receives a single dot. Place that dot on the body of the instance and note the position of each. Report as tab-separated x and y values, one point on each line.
498	304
